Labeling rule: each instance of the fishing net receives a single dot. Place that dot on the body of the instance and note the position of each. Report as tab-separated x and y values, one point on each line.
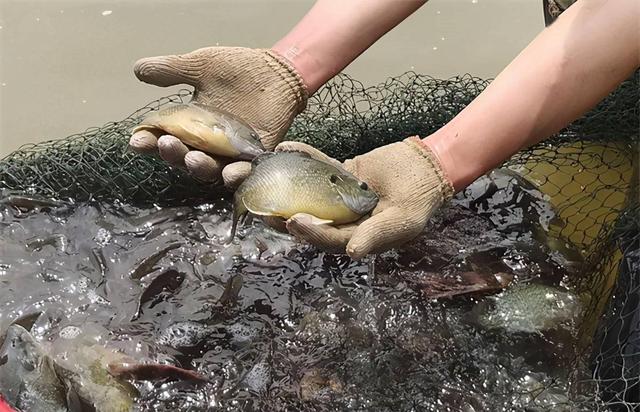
586	171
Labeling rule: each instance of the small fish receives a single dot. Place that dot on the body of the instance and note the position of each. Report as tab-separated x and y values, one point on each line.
30	203
283	184
147	265
57	241
231	291
27	321
162	285
153	219
213	131
154	371
531	308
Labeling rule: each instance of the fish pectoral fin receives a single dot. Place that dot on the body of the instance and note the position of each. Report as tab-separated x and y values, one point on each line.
254	210
316	221
198	134
147	127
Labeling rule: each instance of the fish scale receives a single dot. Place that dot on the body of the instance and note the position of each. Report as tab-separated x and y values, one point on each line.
284	184
282	190
212	130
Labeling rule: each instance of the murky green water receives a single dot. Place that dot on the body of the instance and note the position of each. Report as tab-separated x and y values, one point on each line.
275	325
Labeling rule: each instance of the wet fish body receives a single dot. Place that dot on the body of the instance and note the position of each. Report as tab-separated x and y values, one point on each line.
231	291
213	131
31	203
166	283
154	371
33	381
283	184
28	379
531	308
147	265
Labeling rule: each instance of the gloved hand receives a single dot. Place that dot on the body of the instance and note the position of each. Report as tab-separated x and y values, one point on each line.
256	85
410	184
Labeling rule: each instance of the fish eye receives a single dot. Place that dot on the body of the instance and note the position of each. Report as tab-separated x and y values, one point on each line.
363	186
333	178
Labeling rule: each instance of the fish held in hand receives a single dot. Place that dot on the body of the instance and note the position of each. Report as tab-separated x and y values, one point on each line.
212	131
286	183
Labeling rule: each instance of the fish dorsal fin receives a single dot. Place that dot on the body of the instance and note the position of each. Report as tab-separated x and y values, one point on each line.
261	158
301	154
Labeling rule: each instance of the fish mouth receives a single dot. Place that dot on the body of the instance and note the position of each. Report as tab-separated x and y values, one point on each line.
249	148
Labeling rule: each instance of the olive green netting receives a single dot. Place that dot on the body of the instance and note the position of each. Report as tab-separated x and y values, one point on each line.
615	357
586	170
343	119
97	164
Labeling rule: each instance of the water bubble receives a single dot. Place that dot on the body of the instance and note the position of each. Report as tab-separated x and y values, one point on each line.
107	12
70	332
183	334
102	237
97	299
242	333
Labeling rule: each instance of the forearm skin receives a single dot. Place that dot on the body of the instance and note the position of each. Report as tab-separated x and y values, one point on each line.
335	32
566	70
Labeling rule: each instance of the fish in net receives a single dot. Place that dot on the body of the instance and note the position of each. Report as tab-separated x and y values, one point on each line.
586	171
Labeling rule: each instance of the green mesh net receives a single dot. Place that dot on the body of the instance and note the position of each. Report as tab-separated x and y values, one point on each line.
587	171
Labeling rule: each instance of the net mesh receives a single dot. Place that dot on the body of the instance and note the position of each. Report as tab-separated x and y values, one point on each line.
587	171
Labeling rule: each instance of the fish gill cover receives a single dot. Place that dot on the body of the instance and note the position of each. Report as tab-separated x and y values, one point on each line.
120	249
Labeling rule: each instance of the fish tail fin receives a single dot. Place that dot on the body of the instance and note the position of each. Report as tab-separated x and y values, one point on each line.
239	211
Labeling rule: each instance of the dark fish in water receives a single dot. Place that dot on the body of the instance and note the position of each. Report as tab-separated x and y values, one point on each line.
212	131
283	184
231	291
165	283
147	265
26	203
161	216
58	241
27	321
436	286
98	259
154	371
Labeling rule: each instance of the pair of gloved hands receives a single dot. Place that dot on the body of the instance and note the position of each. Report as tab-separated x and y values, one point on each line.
265	90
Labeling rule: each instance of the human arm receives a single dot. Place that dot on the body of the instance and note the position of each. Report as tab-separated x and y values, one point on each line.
336	32
567	69
267	87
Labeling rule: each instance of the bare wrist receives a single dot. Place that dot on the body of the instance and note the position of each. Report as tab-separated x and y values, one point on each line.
309	68
442	145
